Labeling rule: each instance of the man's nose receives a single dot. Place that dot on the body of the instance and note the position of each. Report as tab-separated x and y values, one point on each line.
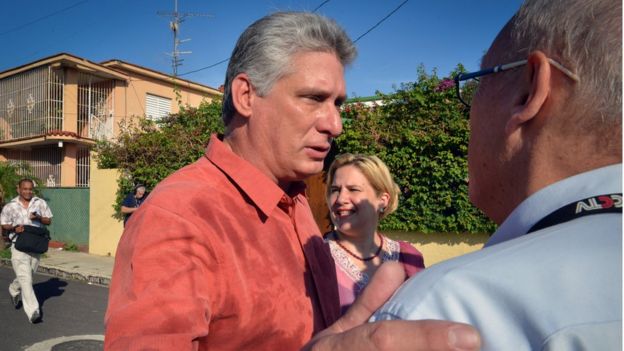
331	122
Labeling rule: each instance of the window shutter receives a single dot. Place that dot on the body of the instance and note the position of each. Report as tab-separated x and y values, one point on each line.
156	107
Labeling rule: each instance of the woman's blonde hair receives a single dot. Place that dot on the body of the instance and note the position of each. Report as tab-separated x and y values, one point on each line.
375	171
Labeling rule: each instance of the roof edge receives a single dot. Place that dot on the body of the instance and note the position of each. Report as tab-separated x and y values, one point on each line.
123	65
63	57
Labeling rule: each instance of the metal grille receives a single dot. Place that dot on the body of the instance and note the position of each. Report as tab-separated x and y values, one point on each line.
70	208
95	107
31	103
82	167
45	162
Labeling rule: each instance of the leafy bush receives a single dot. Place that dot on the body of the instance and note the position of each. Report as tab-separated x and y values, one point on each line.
146	152
10	175
70	247
421	131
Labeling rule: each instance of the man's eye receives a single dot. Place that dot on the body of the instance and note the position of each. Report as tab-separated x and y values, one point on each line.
315	98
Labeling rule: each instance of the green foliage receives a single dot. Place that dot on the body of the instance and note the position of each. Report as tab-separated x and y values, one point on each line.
146	152
70	247
10	175
6	253
421	131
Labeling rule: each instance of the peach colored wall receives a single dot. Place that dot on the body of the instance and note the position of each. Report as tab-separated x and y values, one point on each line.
70	101
104	230
129	103
68	166
130	99
120	110
443	246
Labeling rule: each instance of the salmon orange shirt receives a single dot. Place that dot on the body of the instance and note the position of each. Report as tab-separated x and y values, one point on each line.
220	258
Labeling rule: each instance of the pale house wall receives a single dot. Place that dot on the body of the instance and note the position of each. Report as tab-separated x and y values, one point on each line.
104	230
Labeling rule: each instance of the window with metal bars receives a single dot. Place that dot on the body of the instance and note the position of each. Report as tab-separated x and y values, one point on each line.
83	167
31	103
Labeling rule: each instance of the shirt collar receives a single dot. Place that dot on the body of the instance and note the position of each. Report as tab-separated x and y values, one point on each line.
605	180
32	200
261	190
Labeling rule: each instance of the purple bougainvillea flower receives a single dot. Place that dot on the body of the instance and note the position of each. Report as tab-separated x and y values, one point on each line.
445	84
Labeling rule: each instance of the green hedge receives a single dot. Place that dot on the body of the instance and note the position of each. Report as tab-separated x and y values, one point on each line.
148	152
420	131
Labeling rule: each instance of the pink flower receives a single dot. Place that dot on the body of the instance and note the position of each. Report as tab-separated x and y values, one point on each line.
445	84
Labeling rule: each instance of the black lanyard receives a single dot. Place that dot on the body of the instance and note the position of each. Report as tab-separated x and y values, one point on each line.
608	203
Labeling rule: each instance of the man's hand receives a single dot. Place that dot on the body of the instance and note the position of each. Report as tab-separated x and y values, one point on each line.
19	229
352	332
127	210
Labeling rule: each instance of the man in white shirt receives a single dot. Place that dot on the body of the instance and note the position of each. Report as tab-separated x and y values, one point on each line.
25	209
545	164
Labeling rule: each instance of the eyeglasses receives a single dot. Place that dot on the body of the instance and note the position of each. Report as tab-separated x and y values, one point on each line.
466	91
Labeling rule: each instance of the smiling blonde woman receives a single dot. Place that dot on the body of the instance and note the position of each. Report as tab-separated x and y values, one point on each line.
360	192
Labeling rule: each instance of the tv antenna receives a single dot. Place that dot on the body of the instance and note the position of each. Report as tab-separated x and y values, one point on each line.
176	19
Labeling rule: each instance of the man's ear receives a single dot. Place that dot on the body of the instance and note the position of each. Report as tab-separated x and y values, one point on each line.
538	90
242	94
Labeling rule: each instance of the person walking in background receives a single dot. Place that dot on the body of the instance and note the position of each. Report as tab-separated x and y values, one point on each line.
25	209
4	233
545	163
132	201
361	192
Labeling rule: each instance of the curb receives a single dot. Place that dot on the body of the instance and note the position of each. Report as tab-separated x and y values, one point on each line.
48	270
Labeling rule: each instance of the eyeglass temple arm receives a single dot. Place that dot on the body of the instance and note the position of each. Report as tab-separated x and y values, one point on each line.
465	76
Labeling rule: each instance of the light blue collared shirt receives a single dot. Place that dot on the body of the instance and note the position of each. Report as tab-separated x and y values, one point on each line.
559	288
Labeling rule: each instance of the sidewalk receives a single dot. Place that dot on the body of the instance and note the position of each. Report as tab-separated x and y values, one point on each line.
80	266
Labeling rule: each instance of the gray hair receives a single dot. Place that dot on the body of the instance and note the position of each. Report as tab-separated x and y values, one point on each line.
583	35
265	49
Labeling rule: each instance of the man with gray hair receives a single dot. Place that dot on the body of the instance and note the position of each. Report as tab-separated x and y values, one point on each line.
545	163
225	253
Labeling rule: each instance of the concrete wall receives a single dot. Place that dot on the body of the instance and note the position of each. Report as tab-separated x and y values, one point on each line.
105	230
442	246
130	99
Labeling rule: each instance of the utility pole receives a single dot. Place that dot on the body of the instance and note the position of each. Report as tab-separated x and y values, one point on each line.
176	19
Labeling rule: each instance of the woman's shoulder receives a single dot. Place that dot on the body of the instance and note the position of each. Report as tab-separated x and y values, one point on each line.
411	258
329	236
408	247
399	245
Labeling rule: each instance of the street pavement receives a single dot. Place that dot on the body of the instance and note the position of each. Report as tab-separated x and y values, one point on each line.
72	315
75	266
72	288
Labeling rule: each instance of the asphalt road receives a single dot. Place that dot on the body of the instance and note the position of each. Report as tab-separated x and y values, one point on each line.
69	309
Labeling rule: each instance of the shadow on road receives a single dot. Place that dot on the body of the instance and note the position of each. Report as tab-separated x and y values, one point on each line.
50	288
